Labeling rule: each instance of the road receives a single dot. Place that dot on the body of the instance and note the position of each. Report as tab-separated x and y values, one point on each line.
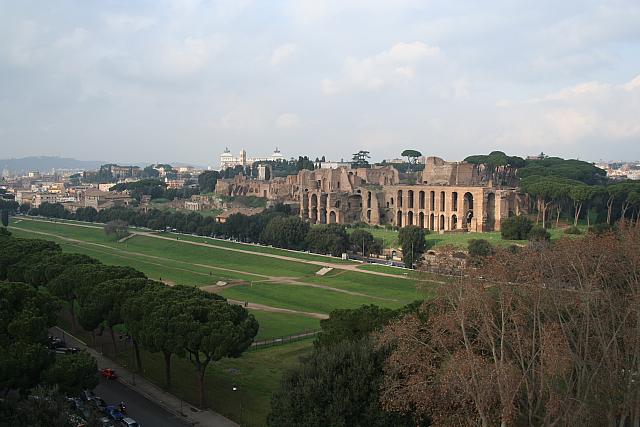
141	409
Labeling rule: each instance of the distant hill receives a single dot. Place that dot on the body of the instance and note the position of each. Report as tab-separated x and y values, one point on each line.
45	164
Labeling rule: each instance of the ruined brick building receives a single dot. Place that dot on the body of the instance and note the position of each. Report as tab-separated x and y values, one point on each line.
446	196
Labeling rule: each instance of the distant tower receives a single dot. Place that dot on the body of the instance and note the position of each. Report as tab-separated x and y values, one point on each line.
243	157
264	172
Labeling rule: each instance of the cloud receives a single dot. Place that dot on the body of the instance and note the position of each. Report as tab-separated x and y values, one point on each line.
396	65
282	53
287	121
588	112
124	22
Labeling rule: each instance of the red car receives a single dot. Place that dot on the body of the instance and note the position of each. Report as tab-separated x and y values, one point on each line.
108	373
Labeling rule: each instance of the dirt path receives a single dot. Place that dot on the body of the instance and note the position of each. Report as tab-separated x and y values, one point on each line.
349	267
261	307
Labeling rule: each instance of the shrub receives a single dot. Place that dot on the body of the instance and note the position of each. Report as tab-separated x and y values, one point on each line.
601	228
117	227
480	248
573	230
515	228
538	234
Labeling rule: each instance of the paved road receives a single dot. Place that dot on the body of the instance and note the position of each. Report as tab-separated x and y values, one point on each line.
139	408
146	412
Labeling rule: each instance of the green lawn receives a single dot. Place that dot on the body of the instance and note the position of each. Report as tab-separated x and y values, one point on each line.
300	298
276	325
256	375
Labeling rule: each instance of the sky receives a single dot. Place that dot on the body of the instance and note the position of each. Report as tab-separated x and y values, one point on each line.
169	80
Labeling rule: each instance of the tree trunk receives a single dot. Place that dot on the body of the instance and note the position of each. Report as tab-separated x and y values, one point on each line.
167	368
201	372
113	340
589	217
136	350
609	208
558	216
577	215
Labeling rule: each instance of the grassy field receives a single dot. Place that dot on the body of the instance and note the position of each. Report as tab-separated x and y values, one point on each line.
277	325
255	278
180	262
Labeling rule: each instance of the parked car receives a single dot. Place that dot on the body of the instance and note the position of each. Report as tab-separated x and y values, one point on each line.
113	413
108	373
129	422
66	350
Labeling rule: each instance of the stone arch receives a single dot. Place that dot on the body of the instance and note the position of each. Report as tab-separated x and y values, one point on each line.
454	222
368	215
442	200
399	198
421	219
441	222
305	205
313	209
410	218
410	199
323	208
332	217
432	221
368	199
467	209
421	200
399	219
454	201
337	204
432	201
491	212
392	201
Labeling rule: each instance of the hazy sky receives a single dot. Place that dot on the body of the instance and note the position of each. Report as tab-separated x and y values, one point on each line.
180	80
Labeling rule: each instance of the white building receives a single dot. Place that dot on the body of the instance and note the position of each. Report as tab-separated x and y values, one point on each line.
227	160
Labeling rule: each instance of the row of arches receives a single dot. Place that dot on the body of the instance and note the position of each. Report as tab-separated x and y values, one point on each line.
430	222
441	204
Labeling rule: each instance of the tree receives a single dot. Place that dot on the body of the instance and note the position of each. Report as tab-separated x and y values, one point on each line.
117	228
328	239
362	241
5	217
73	373
45	407
75	282
361	159
412	157
480	248
515	228
413	243
336	386
353	324
287	232
105	301
538	234
546	336
26	315
207	181
151	319
213	329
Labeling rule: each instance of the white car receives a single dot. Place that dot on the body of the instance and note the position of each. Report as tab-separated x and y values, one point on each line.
129	422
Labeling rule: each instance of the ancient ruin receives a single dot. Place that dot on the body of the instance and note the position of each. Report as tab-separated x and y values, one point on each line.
446	196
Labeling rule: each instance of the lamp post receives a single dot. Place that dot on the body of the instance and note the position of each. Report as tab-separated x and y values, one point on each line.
240	395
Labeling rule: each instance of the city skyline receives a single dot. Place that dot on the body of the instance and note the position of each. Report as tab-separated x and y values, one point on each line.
184	80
